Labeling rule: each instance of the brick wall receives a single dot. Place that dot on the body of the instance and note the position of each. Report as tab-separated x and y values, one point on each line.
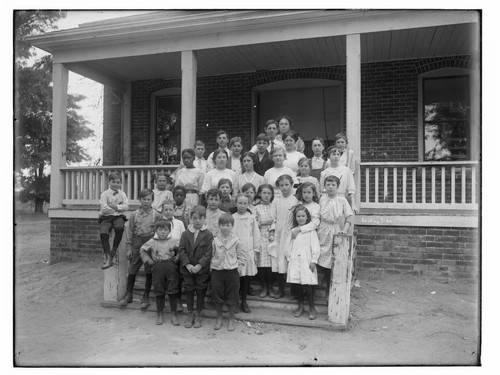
74	239
112	119
433	251
389	105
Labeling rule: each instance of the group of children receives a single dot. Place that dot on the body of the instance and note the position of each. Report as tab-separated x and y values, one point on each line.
223	224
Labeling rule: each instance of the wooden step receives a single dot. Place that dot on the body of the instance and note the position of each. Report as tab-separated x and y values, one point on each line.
257	315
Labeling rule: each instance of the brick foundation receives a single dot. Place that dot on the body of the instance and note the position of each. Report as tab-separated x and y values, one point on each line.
74	239
433	251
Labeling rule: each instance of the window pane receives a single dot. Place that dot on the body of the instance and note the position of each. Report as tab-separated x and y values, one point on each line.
446	118
168	130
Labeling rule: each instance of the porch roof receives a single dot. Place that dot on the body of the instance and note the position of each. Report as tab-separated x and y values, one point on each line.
149	45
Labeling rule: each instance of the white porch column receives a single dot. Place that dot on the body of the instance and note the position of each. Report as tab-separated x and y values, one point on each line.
188	99
127	125
353	104
353	94
59	133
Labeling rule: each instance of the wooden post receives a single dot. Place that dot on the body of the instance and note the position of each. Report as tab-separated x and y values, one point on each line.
353	102
188	99
59	133
115	278
339	298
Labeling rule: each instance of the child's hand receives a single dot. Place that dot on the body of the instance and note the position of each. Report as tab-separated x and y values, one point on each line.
129	252
271	238
196	268
151	262
312	266
256	250
176	258
189	267
295	232
113	206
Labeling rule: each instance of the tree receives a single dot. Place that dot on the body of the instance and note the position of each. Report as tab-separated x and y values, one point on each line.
33	115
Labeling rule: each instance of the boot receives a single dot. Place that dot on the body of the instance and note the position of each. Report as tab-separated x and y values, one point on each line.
189	320
108	262
113	254
230	325
312	312
173	308
264	291
159	318
244	307
299	311
145	301
281	285
160	304
197	320
271	292
130	287
218	323
127	299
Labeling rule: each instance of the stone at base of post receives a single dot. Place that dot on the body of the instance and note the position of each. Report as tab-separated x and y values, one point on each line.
339	298
115	278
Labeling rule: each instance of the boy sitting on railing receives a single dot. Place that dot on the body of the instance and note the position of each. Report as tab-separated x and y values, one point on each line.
111	216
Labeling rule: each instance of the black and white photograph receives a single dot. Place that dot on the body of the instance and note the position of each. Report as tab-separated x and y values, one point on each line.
261	187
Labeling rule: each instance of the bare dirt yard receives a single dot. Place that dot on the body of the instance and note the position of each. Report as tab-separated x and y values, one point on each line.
396	320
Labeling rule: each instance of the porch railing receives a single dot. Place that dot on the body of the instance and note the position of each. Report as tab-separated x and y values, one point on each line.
419	185
382	185
84	185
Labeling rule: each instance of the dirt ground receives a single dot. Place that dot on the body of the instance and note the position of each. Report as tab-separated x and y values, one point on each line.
396	320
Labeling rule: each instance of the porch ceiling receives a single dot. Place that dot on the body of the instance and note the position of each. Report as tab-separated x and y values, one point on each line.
403	44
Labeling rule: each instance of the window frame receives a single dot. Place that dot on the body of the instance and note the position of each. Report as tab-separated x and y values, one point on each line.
171	91
445	73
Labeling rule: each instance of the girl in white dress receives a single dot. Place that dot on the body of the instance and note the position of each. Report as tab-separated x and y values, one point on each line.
335	217
279	155
247	230
346	188
190	177
292	155
266	262
302	258
281	211
248	160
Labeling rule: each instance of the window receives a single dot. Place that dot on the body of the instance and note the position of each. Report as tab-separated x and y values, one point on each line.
446	118
315	105
165	130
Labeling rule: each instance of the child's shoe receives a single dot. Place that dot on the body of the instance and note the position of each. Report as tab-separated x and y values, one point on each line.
107	263
179	305
271	293
175	319
159	318
230	325
279	295
244	307
250	290
299	311
312	313
264	292
218	323
145	301
197	320
127	299
189	320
